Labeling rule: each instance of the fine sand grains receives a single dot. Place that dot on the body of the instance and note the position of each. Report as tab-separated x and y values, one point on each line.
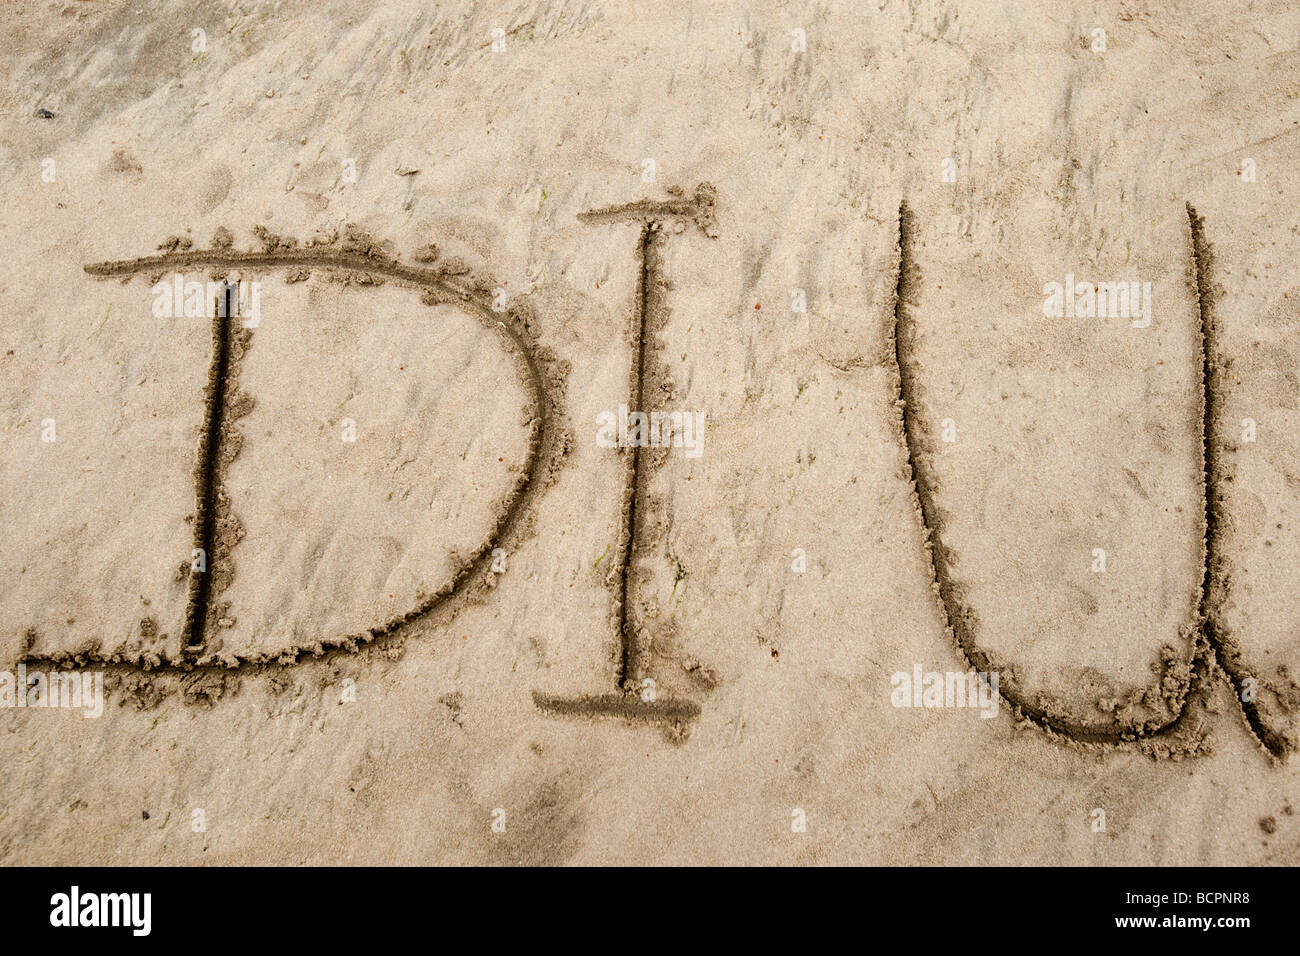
433	592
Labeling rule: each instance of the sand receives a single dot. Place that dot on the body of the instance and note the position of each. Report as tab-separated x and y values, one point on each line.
438	619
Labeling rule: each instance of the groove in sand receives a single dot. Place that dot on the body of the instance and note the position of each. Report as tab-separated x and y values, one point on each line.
648	318
1213	385
205	479
542	380
1208	645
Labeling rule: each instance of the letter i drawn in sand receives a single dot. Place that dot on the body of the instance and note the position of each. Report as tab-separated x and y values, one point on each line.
635	698
219	395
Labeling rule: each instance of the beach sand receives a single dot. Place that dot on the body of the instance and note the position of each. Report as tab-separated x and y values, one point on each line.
439	621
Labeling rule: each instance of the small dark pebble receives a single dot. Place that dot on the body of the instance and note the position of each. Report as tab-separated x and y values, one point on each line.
1268	825
144	814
